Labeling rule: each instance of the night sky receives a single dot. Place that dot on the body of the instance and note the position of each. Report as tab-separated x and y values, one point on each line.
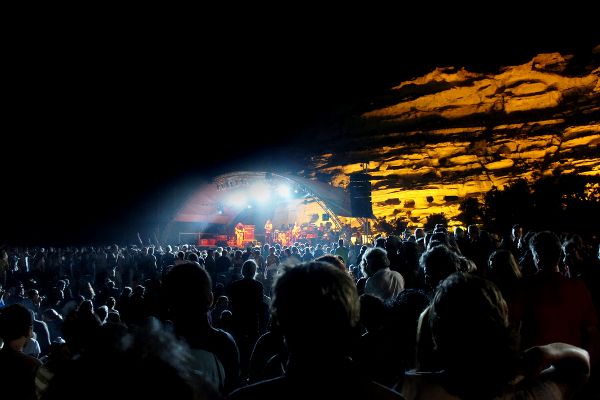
103	129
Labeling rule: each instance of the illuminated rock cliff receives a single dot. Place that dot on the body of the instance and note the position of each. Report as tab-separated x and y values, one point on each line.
451	134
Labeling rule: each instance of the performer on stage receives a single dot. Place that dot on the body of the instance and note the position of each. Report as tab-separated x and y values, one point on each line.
295	232
268	231
239	235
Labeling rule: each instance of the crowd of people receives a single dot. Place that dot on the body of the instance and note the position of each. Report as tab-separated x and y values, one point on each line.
440	315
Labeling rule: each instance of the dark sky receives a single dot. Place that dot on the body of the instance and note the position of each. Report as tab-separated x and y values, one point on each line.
103	126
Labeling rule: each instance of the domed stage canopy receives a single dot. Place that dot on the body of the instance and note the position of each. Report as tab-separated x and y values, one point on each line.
252	198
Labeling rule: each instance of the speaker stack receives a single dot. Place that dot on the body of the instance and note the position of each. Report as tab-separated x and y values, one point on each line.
360	195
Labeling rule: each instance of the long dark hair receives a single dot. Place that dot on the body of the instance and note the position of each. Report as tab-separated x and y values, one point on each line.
472	337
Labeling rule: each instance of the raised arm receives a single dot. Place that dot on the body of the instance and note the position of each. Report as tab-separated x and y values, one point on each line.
566	365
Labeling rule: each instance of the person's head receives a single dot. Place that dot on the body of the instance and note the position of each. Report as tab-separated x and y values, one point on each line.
392	244
316	307
61	284
546	250
139	291
34	296
572	257
222	302
188	290
16	323
102	313
333	260
440	228
454	302
503	269
469	325
372	312
373	260
437	263
249	269
437	239
473	232
516	232
192	257
459	233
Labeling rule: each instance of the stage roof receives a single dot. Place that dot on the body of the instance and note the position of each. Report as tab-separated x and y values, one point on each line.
206	204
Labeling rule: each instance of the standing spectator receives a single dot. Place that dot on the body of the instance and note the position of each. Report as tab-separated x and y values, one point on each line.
188	294
317	309
17	370
248	310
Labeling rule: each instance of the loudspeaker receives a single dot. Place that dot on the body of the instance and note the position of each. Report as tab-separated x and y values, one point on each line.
360	195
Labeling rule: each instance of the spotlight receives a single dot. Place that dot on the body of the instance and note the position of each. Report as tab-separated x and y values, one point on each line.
260	192
237	199
283	191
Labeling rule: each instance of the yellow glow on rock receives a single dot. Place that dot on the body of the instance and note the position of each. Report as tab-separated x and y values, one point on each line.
454	134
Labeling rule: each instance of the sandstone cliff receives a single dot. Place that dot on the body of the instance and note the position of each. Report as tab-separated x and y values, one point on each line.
451	134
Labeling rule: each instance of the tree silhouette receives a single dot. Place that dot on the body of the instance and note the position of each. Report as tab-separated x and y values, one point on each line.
383	226
567	203
561	203
503	208
471	211
435	219
395	227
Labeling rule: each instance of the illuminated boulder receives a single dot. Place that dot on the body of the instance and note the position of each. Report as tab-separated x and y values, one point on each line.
452	134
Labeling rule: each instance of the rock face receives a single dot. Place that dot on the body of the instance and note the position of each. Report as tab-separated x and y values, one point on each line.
452	134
